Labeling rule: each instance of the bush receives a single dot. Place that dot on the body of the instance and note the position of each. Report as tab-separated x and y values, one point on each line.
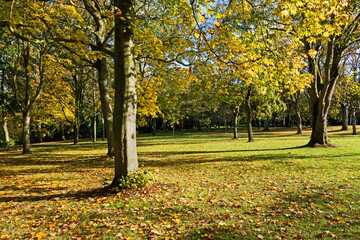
10	143
137	179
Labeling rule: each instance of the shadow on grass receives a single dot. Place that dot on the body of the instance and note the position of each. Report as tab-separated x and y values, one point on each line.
48	163
91	193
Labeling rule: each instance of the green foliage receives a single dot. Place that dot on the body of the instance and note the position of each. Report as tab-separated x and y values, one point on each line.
10	143
138	179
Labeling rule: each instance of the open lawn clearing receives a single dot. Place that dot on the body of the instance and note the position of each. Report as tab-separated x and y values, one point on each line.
208	186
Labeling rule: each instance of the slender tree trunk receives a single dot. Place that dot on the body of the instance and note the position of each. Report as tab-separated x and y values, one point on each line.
235	122
164	126
182	127
266	125
153	126
26	131
62	132
353	114
94	116
345	116
78	93
173	130
298	121
103	128
126	160
5	130
76	131
249	118
94	129
104	89
40	137
226	126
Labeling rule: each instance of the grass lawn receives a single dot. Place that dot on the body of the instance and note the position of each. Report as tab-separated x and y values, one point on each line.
208	187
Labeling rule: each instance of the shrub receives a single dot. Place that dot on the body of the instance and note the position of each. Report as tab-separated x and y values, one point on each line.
137	179
10	143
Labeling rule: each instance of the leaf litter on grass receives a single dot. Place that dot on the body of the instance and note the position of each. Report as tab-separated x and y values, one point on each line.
215	189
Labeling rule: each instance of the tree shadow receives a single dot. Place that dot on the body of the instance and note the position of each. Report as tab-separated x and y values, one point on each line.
78	195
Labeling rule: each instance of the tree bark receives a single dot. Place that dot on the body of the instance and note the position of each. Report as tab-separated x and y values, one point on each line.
62	132
26	131
94	116
124	127
298	113
235	121
345	116
298	121
78	98
104	88
249	117
266	125
353	115
182	126
153	126
5	130
321	91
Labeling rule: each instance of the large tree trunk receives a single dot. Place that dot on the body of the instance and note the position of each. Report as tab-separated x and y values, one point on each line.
5	130
126	160
26	131
321	91
345	116
104	88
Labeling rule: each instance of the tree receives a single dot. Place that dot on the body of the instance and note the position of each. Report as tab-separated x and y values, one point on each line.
125	91
325	30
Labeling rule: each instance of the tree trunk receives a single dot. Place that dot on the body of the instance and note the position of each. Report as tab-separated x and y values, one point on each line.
249	118
125	153
164	126
173	130
76	131
353	114
26	131
40	137
182	127
103	128
62	132
322	89
235	121
5	130
226	126
153	126
266	125
94	116
105	99
298	121
94	129
345	116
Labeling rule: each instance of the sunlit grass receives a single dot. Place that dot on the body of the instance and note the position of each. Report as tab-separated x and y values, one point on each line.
208	186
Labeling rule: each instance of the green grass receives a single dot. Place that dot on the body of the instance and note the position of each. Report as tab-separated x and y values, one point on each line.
208	187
